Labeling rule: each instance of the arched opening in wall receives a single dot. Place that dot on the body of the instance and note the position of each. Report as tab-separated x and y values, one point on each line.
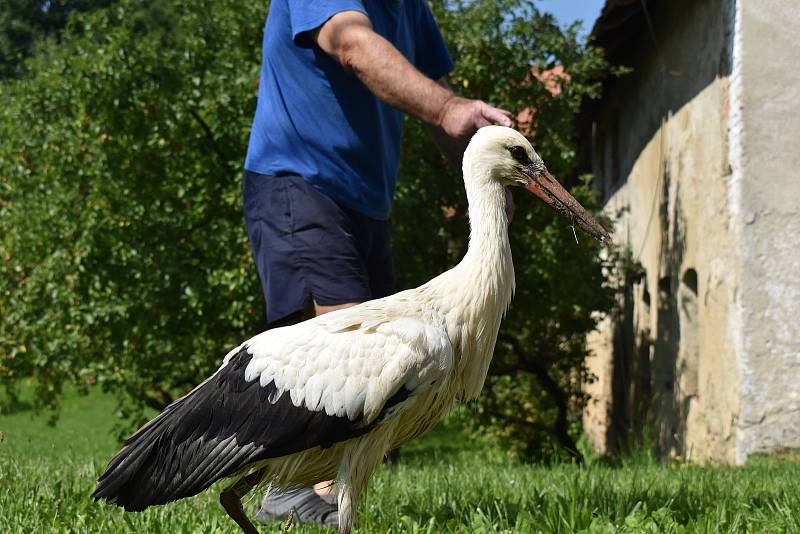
688	362
690	280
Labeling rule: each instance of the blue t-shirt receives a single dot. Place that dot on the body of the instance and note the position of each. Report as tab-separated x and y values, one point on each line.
316	120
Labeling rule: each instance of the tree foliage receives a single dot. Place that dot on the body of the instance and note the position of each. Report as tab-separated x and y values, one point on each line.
123	256
24	23
125	259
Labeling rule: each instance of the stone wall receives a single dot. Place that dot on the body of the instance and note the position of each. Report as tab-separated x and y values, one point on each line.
767	215
667	362
698	155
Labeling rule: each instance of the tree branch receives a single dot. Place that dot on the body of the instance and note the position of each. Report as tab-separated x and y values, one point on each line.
210	138
521	421
560	426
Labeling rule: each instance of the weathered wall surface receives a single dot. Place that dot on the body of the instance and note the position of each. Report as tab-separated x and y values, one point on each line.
668	365
766	194
699	154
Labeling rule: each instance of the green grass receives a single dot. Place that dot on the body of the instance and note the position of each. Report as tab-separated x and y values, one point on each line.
443	483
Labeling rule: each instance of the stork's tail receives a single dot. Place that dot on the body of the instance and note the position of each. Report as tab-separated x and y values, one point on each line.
131	479
173	456
225	425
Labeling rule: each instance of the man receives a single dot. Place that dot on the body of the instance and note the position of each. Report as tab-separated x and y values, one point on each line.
322	161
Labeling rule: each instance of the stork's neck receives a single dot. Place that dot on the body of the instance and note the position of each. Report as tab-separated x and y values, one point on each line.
481	286
489	252
487	270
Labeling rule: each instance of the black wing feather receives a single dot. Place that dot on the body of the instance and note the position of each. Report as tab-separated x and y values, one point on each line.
215	431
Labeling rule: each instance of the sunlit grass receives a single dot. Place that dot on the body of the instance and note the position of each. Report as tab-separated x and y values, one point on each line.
443	483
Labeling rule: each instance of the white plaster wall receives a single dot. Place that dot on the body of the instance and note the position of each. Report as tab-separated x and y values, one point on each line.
767	216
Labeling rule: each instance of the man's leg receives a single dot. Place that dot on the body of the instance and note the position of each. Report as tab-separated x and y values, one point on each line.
314	504
320	309
326	488
306	250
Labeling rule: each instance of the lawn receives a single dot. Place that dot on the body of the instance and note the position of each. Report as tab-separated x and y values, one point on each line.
443	483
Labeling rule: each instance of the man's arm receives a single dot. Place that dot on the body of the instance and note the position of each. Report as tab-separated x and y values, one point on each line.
350	39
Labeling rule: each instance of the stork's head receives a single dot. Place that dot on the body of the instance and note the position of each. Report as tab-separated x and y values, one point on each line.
503	155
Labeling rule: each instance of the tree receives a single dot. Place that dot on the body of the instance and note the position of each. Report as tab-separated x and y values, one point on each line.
125	259
24	23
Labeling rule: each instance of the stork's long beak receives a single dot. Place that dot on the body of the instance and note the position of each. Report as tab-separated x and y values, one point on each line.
543	185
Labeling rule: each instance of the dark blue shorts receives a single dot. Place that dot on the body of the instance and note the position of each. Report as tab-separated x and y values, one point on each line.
306	246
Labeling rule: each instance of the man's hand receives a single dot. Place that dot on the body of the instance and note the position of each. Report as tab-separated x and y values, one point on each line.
461	117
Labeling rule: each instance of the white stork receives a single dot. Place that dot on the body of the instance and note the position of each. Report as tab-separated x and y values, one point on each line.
328	398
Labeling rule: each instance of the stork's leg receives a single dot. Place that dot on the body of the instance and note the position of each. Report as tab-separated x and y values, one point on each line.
231	500
355	470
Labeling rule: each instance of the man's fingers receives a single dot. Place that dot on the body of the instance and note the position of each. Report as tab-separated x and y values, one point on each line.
497	115
463	116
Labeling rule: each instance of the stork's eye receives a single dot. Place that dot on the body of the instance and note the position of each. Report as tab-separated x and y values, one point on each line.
519	153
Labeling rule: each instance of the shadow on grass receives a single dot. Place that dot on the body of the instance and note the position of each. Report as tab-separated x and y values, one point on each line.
15	406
